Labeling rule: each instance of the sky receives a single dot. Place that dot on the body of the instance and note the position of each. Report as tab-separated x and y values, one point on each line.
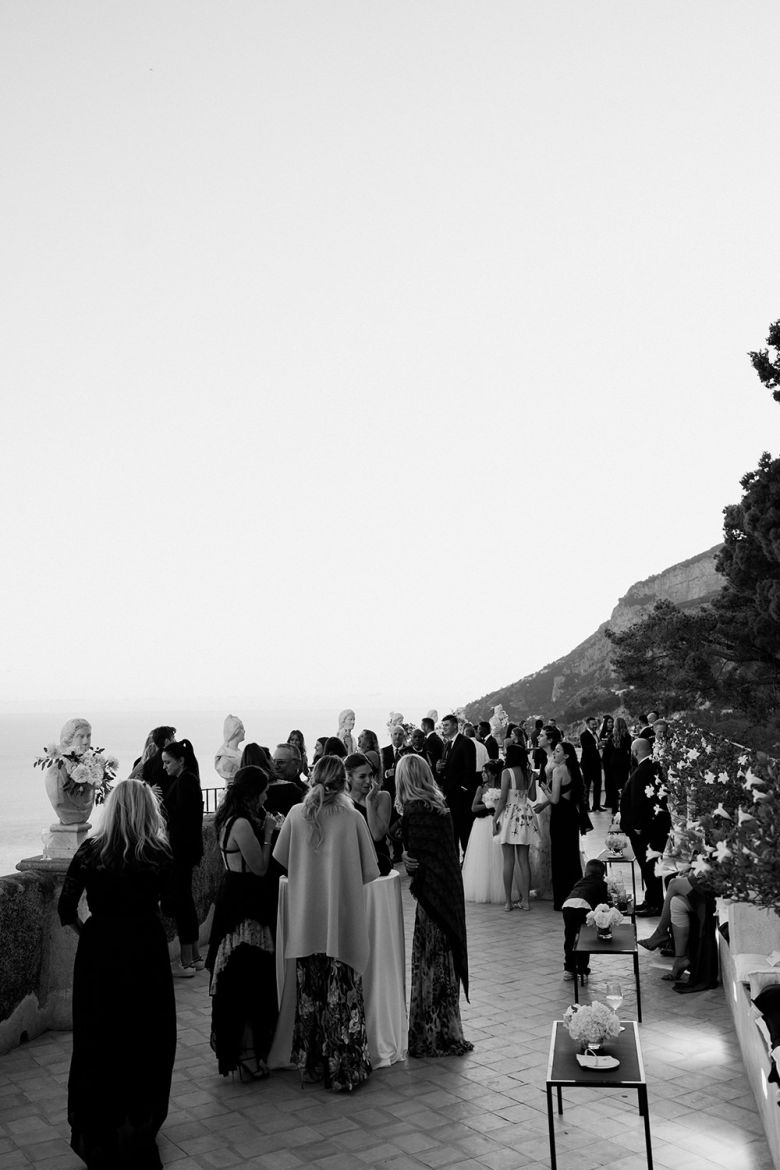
367	352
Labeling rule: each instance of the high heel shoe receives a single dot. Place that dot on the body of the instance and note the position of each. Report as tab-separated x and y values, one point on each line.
524	905
246	1073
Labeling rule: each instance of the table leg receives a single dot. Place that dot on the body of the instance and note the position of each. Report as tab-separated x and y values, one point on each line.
638	992
551	1123
576	982
643	1108
560	1100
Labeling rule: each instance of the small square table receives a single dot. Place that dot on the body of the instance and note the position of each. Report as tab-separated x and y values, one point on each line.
563	1071
623	942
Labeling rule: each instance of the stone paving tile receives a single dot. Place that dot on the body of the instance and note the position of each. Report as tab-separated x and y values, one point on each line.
484	1111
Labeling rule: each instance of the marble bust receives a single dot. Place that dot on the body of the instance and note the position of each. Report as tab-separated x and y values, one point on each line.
72	808
228	758
76	736
346	725
498	723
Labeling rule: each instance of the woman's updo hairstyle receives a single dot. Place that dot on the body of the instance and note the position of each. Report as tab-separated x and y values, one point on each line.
326	786
356	760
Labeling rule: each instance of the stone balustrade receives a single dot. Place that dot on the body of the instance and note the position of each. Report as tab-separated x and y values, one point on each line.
37	954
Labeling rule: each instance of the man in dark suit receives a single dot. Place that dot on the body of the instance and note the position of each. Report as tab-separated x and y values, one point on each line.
489	740
645	819
456	773
434	748
390	757
591	762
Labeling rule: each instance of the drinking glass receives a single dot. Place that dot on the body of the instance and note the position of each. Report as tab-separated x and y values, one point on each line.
614	996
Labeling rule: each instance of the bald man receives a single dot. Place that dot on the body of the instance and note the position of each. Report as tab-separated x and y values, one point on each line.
644	818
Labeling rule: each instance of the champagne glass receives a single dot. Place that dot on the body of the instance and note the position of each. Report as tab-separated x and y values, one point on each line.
614	996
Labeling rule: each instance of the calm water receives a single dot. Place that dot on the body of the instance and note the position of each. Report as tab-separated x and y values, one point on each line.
26	811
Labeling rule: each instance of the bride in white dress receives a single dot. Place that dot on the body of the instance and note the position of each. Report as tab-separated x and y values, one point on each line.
515	822
482	870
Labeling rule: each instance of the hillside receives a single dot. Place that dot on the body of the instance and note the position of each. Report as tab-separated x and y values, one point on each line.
583	681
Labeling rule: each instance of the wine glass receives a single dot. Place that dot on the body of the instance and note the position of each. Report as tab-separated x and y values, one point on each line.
614	996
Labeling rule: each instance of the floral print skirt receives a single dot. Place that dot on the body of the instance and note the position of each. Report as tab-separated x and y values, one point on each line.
329	1037
434	1010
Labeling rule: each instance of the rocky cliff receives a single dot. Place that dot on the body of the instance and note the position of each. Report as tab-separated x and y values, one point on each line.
583	681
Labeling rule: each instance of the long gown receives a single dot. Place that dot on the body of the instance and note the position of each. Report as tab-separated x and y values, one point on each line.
483	865
439	950
124	1013
565	847
242	962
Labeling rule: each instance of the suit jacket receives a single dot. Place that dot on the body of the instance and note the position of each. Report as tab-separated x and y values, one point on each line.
491	743
591	760
642	808
434	749
459	778
390	758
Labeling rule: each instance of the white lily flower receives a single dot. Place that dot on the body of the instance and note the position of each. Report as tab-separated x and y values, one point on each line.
722	851
721	812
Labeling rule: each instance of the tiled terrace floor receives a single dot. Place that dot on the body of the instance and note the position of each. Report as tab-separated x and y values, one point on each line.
485	1111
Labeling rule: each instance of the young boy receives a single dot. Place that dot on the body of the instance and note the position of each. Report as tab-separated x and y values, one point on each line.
588	893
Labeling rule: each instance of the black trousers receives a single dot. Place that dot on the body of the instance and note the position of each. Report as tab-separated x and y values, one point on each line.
654	889
572	921
592	778
181	904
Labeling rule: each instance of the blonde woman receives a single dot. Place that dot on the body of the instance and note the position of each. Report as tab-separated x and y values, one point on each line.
439	954
326	848
124	1011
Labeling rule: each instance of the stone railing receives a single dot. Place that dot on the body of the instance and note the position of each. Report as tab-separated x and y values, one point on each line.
36	953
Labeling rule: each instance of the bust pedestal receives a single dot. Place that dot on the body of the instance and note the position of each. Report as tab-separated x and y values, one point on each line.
64	840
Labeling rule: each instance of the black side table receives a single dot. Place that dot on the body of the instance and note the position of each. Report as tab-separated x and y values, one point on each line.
563	1071
623	942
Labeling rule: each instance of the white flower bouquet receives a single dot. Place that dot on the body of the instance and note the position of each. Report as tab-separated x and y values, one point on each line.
491	797
81	770
615	840
604	917
591	1023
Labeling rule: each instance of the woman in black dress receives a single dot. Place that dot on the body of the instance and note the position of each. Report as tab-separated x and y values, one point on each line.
241	949
607	749
565	793
439	949
365	792
617	764
183	808
124	1012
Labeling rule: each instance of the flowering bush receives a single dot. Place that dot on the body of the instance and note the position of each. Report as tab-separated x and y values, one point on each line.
617	890
604	917
725	801
591	1023
81	770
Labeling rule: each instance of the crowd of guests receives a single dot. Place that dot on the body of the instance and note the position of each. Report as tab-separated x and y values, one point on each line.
331	823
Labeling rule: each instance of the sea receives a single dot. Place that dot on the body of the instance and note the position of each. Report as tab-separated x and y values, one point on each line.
25	812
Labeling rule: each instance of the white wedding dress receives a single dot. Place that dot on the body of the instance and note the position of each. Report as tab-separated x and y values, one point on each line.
483	865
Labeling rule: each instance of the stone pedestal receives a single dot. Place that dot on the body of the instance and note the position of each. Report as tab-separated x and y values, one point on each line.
64	840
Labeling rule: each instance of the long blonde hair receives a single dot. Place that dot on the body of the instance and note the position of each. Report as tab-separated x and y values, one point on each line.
326	794
133	828
414	781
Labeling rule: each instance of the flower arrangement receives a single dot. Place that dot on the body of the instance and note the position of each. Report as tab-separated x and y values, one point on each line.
604	917
491	797
618	894
591	1023
616	840
81	770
